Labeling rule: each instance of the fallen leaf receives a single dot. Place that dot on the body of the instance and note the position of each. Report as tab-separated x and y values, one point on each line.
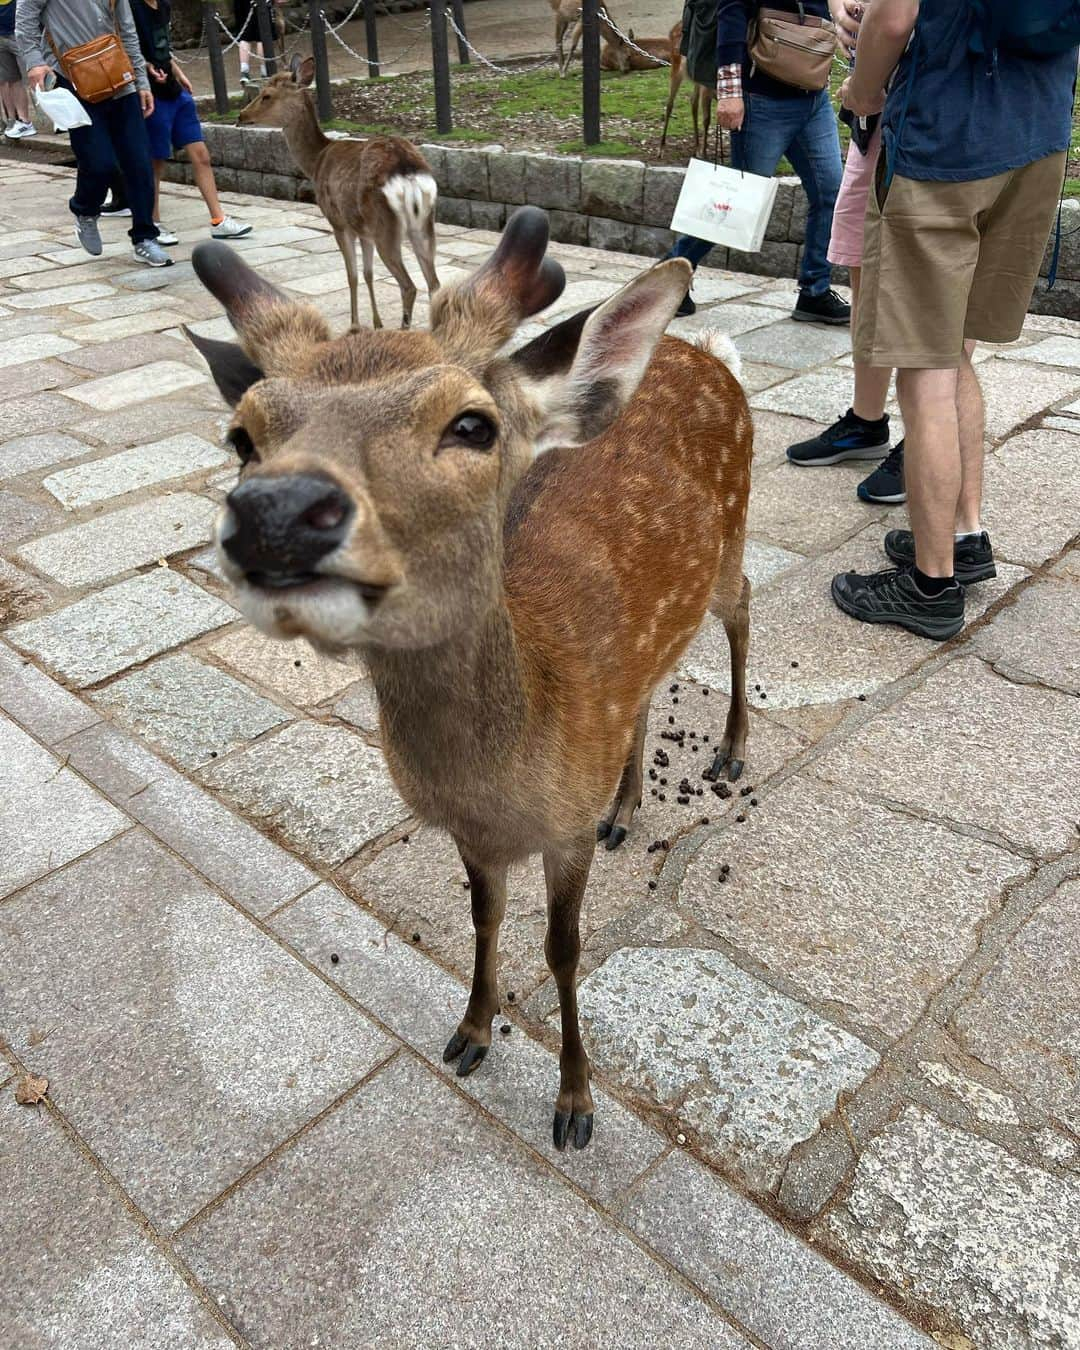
31	1090
36	1037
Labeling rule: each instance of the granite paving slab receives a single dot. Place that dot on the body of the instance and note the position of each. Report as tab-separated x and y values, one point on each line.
21	595
750	1070
33	347
872	931
1037	638
123	354
96	1280
822	396
293	669
38	703
1051	351
422	1004
1019	743
154	380
128	470
183	1043
359	707
131	537
33	377
321	1205
958	1223
53	297
1024	1018
50	815
128	425
19	519
120	626
1015	391
1030	498
773	433
127	325
810	510
784	1292
322	790
25	453
195	713
38	412
795	345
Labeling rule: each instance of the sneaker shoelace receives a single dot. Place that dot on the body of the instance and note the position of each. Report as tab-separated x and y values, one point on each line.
893	463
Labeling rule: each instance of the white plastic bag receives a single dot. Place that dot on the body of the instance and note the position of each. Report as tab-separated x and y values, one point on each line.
724	205
62	108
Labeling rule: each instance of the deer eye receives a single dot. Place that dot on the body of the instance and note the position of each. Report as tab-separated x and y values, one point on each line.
472	429
244	446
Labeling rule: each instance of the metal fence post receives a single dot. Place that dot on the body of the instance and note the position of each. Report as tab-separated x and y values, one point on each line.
440	59
371	38
217	60
457	8
322	63
590	71
265	20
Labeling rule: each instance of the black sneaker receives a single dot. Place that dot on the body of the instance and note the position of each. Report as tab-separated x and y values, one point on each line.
973	558
893	597
826	308
850	437
885	486
686	307
114	208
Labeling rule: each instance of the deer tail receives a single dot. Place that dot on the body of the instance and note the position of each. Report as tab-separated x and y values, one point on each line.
720	346
412	198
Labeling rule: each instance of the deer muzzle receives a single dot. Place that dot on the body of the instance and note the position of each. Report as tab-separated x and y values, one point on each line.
277	530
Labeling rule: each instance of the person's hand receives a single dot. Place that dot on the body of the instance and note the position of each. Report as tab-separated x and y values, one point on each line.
155	73
847	15
730	113
860	103
181	79
146	98
37	75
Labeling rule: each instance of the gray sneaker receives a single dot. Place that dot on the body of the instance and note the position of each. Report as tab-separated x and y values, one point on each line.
149	251
87	233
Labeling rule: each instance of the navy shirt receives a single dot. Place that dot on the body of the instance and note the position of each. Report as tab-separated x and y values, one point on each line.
7	18
964	120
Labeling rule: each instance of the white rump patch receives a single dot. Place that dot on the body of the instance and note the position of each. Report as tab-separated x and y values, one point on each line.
718	344
412	198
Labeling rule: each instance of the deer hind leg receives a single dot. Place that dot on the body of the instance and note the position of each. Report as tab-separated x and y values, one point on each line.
706	116
390	253
367	252
677	74
695	104
566	870
422	238
575	38
614	826
561	26
736	620
346	242
487	889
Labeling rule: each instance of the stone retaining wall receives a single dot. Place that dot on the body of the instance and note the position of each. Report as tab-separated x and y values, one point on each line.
623	205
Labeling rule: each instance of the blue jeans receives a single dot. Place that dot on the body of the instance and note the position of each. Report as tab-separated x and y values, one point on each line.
804	129
116	136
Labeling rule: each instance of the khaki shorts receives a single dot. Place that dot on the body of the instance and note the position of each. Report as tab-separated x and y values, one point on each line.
949	261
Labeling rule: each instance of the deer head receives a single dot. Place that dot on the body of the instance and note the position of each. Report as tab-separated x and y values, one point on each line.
281	97
377	467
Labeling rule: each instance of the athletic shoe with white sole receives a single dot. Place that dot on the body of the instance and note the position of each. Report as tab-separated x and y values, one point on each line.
19	130
849	437
88	234
114	208
885	486
150	252
164	236
229	229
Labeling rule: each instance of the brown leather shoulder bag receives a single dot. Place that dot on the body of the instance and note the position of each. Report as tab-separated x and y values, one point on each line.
796	49
97	69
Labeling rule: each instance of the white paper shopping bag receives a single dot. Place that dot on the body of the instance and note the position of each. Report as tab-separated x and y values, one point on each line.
725	205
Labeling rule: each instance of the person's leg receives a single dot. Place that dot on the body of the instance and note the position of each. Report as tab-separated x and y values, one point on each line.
158	165
693	250
127	131
871	382
94	159
929	402
203	172
971	415
814	152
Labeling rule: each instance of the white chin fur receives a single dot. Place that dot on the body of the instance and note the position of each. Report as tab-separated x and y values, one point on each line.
330	611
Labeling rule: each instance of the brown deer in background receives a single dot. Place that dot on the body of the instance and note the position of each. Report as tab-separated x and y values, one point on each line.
638	53
516	613
377	191
568	12
702	97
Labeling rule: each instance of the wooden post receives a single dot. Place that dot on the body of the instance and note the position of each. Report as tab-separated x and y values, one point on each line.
217	60
440	60
322	63
371	38
457	8
265	21
590	71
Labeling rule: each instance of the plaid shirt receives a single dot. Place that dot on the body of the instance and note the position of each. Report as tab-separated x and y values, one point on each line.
729	81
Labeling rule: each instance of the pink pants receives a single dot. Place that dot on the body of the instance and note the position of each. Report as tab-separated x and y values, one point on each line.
849	214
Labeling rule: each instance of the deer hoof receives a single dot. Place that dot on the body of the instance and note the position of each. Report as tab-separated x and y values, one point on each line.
615	837
575	1125
603	830
471	1053
734	769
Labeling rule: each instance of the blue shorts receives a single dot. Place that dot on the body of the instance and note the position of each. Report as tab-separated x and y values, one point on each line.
173	124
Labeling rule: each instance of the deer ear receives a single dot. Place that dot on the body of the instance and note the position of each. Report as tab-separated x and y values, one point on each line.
230	280
294	66
304	72
233	372
582	373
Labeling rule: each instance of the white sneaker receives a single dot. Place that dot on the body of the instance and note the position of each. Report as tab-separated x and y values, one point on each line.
18	130
148	252
165	236
229	229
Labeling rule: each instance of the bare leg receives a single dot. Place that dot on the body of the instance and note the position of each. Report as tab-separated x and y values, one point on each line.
14	99
871	382
367	253
158	165
487	889
736	620
627	798
932	468
391	260
422	239
567	871
972	419
346	242
203	172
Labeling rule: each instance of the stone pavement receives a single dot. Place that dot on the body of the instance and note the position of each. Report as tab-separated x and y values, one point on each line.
837	1047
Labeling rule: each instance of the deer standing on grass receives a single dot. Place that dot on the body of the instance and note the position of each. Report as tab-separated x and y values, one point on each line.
567	13
519	547
376	191
701	96
637	54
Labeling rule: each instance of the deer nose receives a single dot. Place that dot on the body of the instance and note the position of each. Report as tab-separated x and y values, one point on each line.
279	528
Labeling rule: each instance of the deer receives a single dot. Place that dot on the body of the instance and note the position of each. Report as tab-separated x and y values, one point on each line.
376	191
568	12
518	545
701	96
636	54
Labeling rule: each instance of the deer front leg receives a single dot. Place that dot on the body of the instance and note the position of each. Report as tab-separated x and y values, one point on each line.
487	888
567	871
736	620
367	252
627	798
346	242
